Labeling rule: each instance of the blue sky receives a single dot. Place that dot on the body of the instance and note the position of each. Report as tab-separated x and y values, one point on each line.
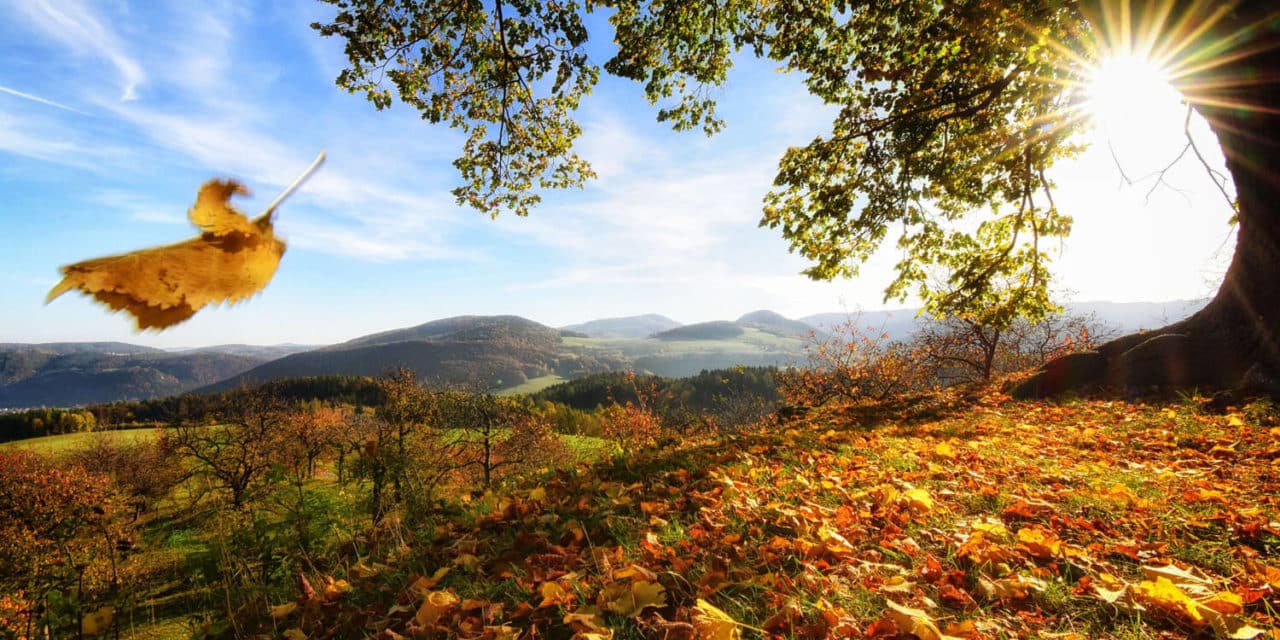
112	114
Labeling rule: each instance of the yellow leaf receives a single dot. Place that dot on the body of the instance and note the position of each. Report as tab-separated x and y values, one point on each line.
503	632
714	624
944	450
913	621
629	601
1039	543
434	606
552	594
538	493
232	259
1235	628
282	611
1226	603
1165	595
1192	581
336	588
919	500
1235	421
467	561
586	618
97	622
422	586
1109	588
294	634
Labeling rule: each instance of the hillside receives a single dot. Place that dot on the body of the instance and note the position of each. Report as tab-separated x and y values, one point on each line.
482	352
69	374
627	327
714	330
1098	520
775	323
262	352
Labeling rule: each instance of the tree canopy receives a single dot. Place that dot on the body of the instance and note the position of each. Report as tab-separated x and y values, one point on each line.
948	114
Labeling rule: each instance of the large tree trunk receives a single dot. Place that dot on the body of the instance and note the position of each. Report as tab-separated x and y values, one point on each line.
1234	342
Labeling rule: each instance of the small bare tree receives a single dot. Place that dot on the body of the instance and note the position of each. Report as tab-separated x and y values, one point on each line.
236	452
967	348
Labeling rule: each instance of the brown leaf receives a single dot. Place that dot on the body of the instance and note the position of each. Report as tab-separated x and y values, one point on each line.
232	259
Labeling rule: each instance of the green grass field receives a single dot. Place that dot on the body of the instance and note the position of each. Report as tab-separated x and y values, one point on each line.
532	385
68	442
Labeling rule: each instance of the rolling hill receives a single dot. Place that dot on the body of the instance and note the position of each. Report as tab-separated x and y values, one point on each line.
627	327
488	352
484	352
68	374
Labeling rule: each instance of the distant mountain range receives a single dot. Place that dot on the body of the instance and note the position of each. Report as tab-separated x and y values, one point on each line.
480	352
67	374
629	327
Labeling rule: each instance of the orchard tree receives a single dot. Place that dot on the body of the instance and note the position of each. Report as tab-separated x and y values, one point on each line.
948	119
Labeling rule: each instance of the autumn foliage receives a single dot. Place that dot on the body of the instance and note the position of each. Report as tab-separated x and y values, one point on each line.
1000	520
60	526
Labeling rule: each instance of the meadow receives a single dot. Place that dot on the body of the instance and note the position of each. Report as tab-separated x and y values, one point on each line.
943	515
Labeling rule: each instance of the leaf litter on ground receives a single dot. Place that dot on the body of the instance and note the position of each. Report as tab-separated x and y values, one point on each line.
1090	519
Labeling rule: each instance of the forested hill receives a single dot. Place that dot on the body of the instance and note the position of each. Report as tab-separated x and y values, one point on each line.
627	327
478	352
68	374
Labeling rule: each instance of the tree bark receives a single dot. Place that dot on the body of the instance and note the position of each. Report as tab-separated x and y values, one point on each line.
1234	342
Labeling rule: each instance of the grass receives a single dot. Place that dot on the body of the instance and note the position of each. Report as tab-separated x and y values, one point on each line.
532	385
62	444
1025	507
1001	515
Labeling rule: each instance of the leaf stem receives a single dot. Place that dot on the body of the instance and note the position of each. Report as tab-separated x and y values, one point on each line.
315	164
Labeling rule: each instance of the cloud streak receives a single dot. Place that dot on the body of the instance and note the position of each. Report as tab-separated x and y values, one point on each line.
72	24
38	99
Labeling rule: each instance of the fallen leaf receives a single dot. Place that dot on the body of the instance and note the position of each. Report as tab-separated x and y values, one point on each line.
913	621
714	624
1164	595
279	612
919	500
434	606
629	600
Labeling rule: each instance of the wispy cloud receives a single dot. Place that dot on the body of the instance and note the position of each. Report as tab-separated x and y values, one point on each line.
140	208
35	98
75	26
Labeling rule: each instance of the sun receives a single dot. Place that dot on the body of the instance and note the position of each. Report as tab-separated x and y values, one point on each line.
1127	90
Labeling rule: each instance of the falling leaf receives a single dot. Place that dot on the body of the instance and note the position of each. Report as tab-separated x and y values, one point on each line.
714	624
232	258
